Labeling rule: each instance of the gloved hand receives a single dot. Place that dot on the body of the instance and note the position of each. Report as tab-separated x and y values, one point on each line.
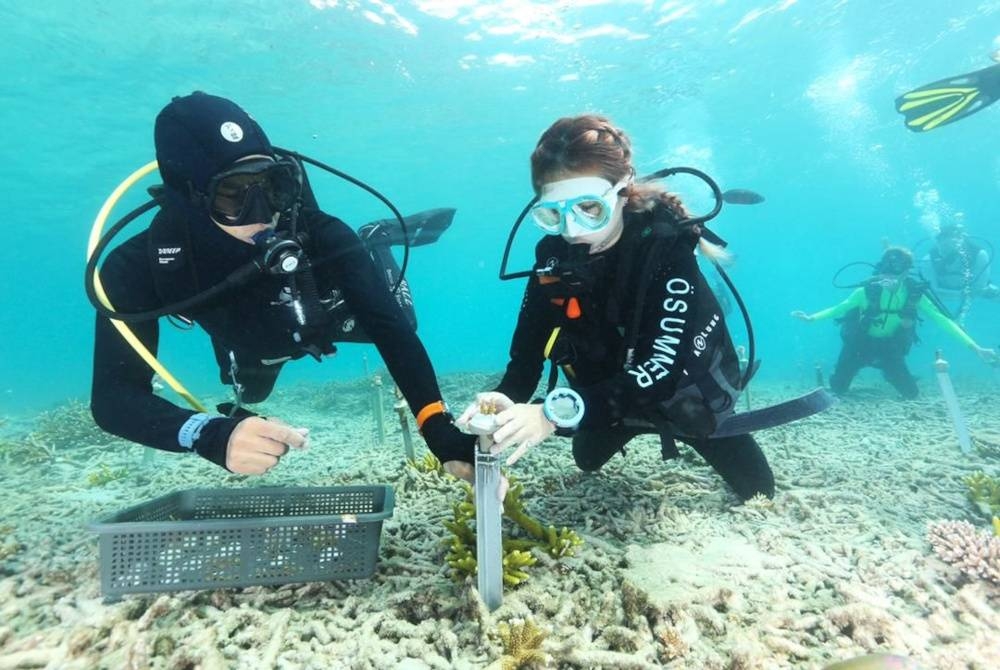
456	450
987	355
498	401
523	425
801	316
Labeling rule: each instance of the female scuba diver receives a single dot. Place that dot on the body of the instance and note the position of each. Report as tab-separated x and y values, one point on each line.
617	301
240	247
879	320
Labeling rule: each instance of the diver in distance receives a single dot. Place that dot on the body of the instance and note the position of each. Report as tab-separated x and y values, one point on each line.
239	246
878	324
960	265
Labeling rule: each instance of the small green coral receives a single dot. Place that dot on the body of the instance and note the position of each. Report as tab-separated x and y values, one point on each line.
516	551
984	492
996	526
428	464
557	543
522	646
105	475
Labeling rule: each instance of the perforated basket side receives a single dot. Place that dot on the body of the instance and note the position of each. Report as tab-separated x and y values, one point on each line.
200	539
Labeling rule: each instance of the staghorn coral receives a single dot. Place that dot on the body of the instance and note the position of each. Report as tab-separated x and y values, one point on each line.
429	463
516	551
987	443
105	475
522	645
9	546
557	543
975	553
984	492
69	425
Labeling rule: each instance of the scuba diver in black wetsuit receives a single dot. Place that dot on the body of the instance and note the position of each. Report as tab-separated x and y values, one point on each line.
960	267
240	247
879	322
617	301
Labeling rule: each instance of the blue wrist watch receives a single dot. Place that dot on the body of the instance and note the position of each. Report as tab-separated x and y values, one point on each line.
564	407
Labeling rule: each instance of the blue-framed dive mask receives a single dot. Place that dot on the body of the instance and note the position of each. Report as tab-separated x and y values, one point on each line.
584	203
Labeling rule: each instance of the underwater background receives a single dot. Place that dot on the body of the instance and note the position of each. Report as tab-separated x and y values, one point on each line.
439	103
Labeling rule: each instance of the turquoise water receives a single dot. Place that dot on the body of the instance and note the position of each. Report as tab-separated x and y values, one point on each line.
439	103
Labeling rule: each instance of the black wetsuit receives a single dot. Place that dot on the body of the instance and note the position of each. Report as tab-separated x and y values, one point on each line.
680	331
256	324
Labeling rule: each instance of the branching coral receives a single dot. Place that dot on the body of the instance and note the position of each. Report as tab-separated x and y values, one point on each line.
984	492
429	463
976	553
105	475
67	426
9	545
516	551
522	646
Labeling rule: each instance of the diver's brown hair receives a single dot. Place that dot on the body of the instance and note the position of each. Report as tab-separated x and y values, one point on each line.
592	143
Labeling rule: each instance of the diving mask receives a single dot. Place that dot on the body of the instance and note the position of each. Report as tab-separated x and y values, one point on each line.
570	203
254	191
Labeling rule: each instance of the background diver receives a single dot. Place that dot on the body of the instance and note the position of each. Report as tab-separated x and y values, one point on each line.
878	324
960	265
238	225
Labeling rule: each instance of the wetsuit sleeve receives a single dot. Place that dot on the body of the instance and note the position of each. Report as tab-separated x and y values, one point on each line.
857	299
527	347
122	399
378	312
673	313
926	307
347	264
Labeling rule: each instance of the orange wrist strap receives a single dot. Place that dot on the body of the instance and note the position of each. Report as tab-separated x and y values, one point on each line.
428	411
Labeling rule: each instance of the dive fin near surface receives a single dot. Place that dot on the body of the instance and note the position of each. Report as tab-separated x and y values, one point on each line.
742	196
949	100
776	415
422	228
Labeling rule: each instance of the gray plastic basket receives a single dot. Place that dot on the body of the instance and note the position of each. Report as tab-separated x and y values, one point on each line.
223	538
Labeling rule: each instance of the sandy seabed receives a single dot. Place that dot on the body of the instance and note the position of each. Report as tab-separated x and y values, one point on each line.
673	572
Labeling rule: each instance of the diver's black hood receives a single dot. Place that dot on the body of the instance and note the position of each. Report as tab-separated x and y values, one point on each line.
197	136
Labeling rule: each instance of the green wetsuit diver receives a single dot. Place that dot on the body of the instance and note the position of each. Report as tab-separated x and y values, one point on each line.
879	324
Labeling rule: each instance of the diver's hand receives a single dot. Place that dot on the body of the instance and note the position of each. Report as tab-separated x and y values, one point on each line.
467	471
257	444
801	316
498	401
987	355
523	425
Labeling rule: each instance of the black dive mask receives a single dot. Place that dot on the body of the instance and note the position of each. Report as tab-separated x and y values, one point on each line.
254	191
894	262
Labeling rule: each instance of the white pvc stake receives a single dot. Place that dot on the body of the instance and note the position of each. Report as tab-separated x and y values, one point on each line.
948	391
489	547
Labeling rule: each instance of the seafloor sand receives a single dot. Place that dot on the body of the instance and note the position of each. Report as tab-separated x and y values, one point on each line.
673	572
